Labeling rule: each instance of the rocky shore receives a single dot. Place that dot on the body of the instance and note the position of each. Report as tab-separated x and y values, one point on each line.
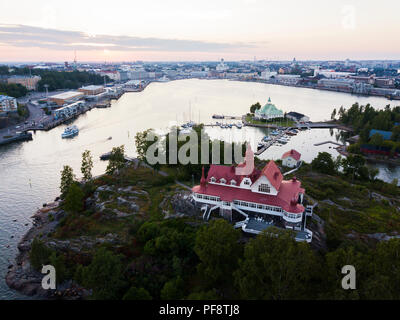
21	276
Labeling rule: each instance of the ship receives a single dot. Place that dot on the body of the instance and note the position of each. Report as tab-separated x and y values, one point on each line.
70	132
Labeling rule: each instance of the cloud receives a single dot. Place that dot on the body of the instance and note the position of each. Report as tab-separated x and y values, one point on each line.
29	36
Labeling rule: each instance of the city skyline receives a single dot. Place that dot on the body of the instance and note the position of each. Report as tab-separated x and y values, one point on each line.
187	31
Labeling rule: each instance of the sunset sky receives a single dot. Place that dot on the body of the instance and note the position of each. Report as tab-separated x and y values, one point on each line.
155	30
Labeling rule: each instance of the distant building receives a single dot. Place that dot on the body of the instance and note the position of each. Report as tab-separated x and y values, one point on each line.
295	116
8	104
113	75
268	111
29	82
291	159
267	74
222	66
91	90
66	97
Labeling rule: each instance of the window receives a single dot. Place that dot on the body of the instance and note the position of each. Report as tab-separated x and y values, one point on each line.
247	182
264	188
222	180
233	183
212	179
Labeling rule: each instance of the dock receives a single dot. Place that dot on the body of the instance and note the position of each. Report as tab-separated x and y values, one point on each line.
326	142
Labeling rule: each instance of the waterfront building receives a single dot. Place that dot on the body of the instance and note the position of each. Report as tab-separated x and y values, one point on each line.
289	79
291	159
267	74
268	111
66	97
8	104
29	82
92	90
260	199
68	110
222	66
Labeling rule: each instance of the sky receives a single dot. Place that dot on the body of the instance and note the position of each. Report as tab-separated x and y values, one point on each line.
187	30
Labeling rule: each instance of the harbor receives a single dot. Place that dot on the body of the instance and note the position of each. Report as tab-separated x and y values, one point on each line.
31	171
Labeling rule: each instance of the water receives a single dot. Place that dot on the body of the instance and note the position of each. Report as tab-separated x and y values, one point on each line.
30	171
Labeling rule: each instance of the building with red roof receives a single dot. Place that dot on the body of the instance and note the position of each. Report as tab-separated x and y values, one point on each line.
263	197
291	158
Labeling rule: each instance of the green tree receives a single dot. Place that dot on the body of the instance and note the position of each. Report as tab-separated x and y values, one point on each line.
87	165
117	159
142	143
333	273
396	134
173	289
104	275
276	267
58	262
137	294
39	254
74	199
67	179
376	139
353	166
218	249
203	295
324	163
255	107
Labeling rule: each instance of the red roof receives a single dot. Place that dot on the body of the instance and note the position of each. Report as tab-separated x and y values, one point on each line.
273	174
229	174
292	153
289	190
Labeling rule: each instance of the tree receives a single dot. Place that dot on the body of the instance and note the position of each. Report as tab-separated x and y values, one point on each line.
218	249
333	115
143	142
58	262
353	166
104	275
324	163
276	267
39	254
376	139
173	289
74	198
87	165
334	263
255	107
67	179
396	134
117	159
137	294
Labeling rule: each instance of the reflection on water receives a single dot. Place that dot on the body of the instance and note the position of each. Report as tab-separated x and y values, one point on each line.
30	171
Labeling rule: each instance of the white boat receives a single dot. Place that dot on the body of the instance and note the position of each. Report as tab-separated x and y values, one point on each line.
70	132
239	125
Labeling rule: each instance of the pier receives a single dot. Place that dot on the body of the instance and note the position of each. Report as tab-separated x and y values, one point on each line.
326	142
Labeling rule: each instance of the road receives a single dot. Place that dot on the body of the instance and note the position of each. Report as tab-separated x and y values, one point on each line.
36	115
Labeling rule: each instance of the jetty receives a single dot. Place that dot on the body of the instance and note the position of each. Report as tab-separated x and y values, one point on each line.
326	142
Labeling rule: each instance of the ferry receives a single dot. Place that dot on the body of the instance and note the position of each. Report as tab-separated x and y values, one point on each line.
70	132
